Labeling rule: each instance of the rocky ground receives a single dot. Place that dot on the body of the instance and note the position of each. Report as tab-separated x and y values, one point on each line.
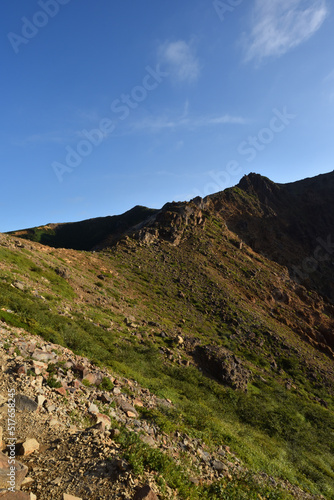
69	415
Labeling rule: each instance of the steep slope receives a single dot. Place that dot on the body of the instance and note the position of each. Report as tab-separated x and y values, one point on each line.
182	308
198	302
291	224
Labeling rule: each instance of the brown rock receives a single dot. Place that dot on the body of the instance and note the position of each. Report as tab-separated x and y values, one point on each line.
39	367
61	390
21	370
127	408
14	495
19	472
145	493
81	370
104	419
28	447
70	497
138	402
94	378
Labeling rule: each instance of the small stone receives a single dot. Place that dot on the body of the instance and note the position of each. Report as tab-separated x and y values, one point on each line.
180	340
28	447
105	398
93	408
27	481
115	432
94	378
19	285
40	400
39	367
76	383
57	481
145	493
204	455
104	419
61	390
21	370
54	422
137	402
219	466
148	440
44	356
24	403
70	497
194	481
127	408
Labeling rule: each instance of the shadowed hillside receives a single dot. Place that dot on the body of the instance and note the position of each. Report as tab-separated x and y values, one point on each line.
197	303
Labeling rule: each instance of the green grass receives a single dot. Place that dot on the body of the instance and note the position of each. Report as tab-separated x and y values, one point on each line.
285	433
143	458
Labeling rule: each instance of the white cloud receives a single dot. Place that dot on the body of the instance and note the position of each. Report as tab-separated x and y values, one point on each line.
181	60
280	25
164	122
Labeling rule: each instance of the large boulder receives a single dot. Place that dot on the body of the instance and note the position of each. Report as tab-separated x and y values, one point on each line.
222	365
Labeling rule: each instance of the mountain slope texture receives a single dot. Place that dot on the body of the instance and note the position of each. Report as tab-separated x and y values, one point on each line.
178	353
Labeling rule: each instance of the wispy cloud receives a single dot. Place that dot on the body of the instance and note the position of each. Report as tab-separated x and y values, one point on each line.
156	124
42	138
181	60
185	121
281	25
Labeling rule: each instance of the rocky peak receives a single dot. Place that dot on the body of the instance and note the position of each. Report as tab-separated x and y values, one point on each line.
266	190
172	220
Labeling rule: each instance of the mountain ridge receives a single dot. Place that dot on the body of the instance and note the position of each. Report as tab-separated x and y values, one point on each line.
284	222
183	303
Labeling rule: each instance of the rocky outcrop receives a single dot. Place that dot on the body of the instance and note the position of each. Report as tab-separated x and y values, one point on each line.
171	221
222	365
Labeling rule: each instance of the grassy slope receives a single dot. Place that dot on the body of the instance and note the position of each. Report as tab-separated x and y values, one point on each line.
210	290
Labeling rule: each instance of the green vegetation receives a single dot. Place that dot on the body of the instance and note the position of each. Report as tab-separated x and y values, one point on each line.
209	291
144	458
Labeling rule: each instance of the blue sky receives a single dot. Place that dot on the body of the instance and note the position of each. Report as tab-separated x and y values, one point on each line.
108	104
